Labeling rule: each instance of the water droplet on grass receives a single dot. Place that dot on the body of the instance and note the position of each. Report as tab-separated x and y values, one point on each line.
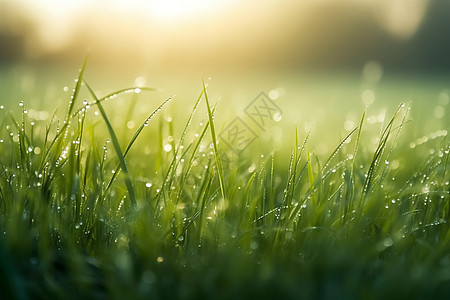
388	242
167	147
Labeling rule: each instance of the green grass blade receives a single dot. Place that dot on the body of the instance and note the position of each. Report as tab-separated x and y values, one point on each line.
77	89
116	145
112	96
69	115
214	140
135	136
311	181
336	150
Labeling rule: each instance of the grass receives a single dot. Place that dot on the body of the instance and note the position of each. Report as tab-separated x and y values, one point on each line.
147	220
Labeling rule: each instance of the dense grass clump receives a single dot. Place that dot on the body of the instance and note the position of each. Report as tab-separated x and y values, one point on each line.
86	211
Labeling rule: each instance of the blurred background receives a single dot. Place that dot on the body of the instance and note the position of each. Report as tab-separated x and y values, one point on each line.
322	60
228	34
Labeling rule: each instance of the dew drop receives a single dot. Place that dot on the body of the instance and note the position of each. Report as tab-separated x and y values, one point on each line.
388	242
167	147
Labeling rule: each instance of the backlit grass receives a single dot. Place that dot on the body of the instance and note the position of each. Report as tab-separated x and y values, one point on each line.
88	210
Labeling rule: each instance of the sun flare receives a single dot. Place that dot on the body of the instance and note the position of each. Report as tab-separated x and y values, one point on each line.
172	10
175	10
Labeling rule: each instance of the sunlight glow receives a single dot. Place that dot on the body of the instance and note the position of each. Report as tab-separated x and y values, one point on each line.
171	10
174	10
195	33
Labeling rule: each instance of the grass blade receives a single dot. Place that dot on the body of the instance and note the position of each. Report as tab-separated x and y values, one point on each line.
135	136
214	140
116	145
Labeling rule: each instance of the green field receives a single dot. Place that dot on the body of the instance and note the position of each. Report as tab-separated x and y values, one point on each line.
108	193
